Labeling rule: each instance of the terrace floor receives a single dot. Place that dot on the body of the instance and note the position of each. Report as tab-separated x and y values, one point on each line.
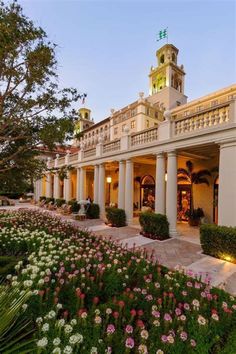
184	250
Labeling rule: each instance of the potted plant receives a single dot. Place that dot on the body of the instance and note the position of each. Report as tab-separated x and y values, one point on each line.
195	216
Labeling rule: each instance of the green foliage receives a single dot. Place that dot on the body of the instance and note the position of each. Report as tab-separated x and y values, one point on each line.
7	265
11	195
41	198
93	211
195	214
49	200
60	202
155	226
15	328
74	206
116	217
34	111
219	241
230	346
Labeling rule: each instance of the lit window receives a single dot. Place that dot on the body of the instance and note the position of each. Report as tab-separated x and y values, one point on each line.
133	124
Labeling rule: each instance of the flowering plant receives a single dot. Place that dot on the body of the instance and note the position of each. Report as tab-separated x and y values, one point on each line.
90	295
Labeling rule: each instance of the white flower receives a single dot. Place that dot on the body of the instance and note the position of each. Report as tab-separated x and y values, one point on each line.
61	322
39	320
24	306
94	350
56	341
144	334
51	315
59	306
42	342
73	322
45	327
68	328
68	349
201	320
56	350
76	338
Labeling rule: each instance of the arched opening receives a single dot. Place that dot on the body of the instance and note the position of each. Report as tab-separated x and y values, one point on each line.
215	200
162	59
173	57
147	191
183	200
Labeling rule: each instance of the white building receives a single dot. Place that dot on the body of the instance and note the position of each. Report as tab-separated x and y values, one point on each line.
133	158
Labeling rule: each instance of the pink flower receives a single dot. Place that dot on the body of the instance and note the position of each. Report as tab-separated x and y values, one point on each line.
167	317
156	314
129	343
110	329
129	329
193	343
164	338
183	336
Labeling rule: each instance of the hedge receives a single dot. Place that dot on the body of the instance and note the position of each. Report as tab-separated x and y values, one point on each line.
116	217
75	207
50	200
60	202
93	211
154	226
219	241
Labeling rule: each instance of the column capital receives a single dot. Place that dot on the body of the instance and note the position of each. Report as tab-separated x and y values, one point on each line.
160	155
171	153
227	143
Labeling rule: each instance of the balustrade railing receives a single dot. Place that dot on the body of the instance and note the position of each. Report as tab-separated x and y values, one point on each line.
73	157
89	153
112	146
145	137
61	161
202	120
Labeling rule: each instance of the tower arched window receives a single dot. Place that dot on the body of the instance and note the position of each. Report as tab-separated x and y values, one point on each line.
162	59
173	57
86	115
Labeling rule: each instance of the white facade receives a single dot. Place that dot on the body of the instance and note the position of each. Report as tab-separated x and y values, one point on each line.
203	131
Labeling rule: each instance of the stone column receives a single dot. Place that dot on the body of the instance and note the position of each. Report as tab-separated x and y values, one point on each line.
227	184
78	185
160	184
171	192
96	183
101	192
56	193
121	185
67	187
48	185
129	186
82	183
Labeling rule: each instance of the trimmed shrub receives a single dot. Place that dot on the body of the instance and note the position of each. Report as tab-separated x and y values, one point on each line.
116	217
93	211
49	200
219	241
74	205
154	226
60	202
42	198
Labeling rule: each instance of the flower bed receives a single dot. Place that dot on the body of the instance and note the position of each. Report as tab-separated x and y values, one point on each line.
93	296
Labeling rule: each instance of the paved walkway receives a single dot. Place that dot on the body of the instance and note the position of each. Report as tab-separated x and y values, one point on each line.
184	250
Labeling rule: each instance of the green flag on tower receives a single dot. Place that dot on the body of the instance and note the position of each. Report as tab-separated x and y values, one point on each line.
162	34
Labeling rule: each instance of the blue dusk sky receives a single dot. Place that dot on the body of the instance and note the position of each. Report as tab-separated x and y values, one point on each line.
106	48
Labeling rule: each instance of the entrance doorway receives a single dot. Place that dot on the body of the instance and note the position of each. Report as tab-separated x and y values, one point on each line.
183	201
147	192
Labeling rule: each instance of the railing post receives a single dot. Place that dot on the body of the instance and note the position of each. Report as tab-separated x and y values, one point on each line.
125	140
165	127
99	147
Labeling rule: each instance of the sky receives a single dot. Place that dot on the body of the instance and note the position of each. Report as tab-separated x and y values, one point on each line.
106	48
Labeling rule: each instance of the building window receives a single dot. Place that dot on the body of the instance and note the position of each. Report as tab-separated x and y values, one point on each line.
133	112
199	108
147	123
116	131
214	103
133	124
162	59
186	113
147	111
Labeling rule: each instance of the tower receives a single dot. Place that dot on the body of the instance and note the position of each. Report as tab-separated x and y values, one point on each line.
84	121
166	85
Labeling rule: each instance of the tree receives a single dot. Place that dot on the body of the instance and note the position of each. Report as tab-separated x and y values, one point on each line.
189	175
33	109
